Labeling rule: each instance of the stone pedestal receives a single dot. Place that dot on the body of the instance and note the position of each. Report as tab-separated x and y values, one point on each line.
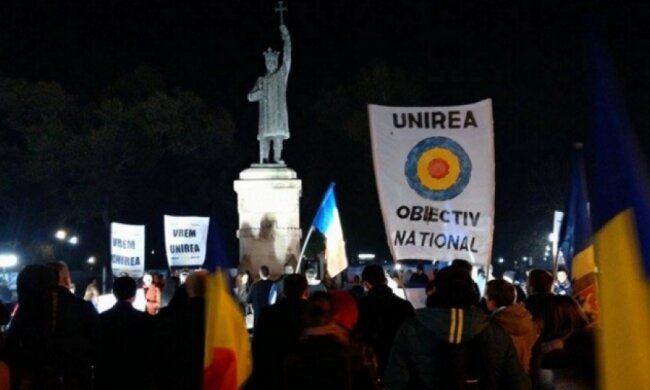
268	201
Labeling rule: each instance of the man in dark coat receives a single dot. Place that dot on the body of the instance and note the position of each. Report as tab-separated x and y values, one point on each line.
259	294
277	333
76	332
381	313
451	344
179	339
122	365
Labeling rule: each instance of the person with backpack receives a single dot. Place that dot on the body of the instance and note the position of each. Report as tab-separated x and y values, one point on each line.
451	344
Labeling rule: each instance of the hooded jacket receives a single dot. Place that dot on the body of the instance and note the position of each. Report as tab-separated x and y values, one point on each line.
518	323
419	360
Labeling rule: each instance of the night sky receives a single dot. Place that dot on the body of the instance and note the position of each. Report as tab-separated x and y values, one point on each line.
527	56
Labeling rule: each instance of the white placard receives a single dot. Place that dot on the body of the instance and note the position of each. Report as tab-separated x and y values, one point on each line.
434	168
186	240
127	250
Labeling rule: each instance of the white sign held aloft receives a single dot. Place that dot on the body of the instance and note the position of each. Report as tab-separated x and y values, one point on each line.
127	250
186	240
434	168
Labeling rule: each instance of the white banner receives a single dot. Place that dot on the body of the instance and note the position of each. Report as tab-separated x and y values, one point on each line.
127	250
434	168
186	240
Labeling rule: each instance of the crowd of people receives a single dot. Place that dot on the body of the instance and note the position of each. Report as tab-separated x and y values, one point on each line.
305	335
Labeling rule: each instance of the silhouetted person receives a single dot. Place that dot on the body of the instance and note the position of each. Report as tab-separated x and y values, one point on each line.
76	332
277	333
278	286
357	290
419	278
124	331
501	299
539	286
381	313
450	344
177	349
31	349
258	296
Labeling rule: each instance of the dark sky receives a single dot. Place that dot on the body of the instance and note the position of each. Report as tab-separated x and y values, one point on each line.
527	56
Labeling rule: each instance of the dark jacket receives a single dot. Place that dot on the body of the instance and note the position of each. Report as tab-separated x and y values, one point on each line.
326	359
259	297
178	345
124	332
419	359
519	325
277	333
76	333
381	313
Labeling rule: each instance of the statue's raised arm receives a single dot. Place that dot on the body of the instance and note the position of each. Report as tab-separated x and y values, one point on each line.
286	52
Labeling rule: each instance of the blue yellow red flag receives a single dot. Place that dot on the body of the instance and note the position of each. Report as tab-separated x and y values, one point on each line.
576	241
227	362
620	210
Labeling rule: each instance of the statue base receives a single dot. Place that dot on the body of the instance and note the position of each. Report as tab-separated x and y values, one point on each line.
268	202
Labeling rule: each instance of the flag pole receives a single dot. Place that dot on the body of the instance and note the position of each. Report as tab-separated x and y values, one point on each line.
304	247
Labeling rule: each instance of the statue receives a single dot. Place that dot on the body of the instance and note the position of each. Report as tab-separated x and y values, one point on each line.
271	92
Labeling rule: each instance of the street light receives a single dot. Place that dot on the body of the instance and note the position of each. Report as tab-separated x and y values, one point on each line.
8	260
60	234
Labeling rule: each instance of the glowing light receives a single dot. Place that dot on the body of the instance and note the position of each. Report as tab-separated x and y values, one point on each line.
8	260
366	256
60	234
398	267
501	260
91	260
74	240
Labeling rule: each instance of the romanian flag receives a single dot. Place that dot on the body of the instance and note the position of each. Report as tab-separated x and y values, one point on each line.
620	197
576	239
328	222
227	359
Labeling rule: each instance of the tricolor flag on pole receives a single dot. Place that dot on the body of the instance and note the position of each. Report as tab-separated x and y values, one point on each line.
620	211
328	222
576	243
227	362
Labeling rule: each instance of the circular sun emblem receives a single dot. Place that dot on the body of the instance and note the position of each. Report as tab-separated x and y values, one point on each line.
438	168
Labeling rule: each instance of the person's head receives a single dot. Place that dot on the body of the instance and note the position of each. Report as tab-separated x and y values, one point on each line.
561	316
147	279
345	309
287	269
356	280
195	284
453	287
36	286
295	286
62	273
499	293
124	289
539	281
320	310
310	274
419	268
462	264
373	275
264	272
271	60
562	275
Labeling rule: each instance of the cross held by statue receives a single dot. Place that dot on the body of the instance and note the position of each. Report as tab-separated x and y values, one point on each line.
281	9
